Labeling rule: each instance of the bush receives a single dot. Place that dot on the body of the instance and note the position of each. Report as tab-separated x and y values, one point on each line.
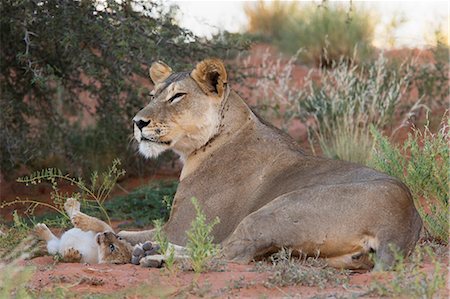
70	77
325	32
409	280
422	163
346	101
144	204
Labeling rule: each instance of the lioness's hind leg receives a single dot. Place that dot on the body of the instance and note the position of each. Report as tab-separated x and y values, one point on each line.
71	255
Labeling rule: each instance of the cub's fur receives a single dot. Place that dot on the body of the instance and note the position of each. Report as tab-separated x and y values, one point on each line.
267	193
91	241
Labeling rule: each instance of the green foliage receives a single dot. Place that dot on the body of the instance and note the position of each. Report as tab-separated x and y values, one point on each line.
326	32
431	79
346	101
74	73
422	163
200	246
13	281
91	197
144	204
12	236
409	280
160	237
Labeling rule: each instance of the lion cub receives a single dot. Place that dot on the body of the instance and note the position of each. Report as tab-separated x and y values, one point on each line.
90	241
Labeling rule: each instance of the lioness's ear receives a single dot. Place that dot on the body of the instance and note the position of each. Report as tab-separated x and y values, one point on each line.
159	71
211	76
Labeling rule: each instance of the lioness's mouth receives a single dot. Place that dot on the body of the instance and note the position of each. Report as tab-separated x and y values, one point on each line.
154	140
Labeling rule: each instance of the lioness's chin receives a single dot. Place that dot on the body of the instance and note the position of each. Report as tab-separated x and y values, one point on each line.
151	149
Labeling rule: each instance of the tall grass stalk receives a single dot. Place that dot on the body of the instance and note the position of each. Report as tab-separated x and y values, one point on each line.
346	100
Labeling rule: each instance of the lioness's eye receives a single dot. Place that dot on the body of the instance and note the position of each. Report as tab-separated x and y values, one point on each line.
175	98
112	247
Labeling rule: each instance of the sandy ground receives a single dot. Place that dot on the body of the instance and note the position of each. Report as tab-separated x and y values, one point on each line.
130	281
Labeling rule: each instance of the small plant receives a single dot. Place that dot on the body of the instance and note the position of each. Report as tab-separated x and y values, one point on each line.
161	238
200	246
306	271
92	196
13	235
422	163
409	280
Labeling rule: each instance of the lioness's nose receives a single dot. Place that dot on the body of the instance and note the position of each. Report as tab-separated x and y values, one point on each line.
140	123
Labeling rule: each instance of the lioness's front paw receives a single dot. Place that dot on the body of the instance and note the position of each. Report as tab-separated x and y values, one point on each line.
142	250
71	206
153	261
81	221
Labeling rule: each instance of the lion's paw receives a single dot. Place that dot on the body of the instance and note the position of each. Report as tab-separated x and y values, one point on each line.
71	206
81	221
72	255
143	250
153	261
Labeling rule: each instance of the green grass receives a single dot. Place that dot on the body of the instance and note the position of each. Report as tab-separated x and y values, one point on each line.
346	101
409	279
13	235
422	162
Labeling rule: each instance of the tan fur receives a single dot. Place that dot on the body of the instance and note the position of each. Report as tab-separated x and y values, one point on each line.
121	254
111	248
267	193
211	76
159	71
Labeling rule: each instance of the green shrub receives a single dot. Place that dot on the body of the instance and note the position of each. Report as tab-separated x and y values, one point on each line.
13	235
325	32
74	73
410	280
200	246
422	162
144	204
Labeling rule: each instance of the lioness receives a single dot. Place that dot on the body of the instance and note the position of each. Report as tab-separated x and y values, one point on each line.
267	193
